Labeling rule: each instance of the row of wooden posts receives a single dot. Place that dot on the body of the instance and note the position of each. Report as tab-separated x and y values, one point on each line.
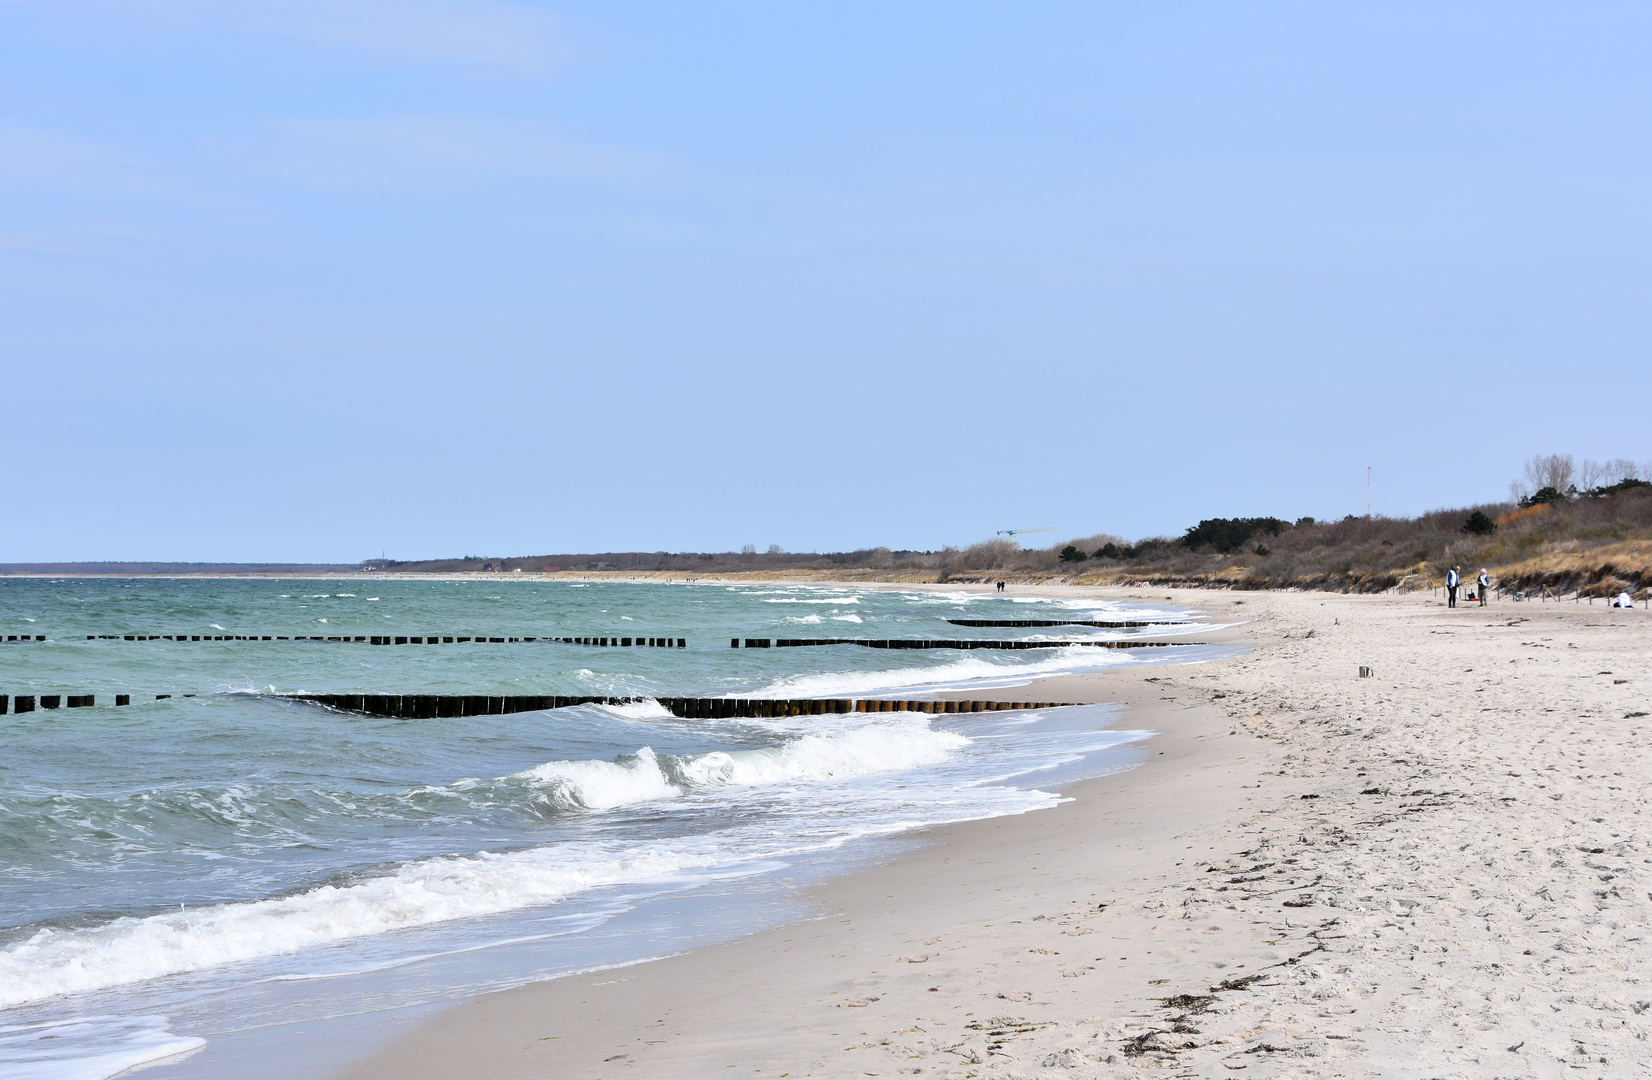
23	703
427	706
1063	622
600	642
388	639
916	643
671	643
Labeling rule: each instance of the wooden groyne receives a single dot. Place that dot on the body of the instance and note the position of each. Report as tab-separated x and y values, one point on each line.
430	706
405	639
918	643
1066	622
23	703
433	706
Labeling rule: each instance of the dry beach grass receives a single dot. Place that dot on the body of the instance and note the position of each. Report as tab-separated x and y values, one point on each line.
1438	871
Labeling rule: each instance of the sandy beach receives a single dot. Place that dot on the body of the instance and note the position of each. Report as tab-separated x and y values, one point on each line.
1438	870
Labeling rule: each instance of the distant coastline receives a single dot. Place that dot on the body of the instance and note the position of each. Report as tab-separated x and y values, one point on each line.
1597	543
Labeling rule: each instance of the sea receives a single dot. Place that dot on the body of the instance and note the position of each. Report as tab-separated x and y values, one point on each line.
217	879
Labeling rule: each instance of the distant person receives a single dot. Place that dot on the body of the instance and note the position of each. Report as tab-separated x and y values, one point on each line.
1624	600
1483	583
1451	586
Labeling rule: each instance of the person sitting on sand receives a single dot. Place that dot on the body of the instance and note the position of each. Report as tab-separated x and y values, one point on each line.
1451	586
1483	583
1624	600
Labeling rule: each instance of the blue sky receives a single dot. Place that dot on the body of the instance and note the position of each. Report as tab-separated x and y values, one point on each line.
316	280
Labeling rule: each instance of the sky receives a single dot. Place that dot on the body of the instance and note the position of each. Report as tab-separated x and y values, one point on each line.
316	280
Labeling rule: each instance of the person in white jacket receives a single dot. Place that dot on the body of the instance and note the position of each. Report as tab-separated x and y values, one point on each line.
1483	584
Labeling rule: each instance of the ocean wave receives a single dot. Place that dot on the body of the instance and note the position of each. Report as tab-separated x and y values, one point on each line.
868	749
965	672
445	888
876	749
422	893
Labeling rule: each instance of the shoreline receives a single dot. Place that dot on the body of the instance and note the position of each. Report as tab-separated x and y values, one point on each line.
1273	831
603	1010
603	1014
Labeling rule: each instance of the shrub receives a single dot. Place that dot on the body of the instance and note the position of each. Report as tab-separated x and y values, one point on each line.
1111	550
1521	515
1230	534
1628	483
1542	495
1072	554
1479	524
1263	549
990	555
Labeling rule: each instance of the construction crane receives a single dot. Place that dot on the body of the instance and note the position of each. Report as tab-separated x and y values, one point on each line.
1018	532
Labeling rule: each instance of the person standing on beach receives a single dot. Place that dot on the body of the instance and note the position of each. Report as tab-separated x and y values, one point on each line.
1451	587
1484	583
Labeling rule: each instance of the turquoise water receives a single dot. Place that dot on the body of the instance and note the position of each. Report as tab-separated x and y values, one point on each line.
177	869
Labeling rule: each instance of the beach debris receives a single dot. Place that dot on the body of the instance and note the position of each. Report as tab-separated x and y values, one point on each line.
856	1003
1016	995
1242	982
1193	1002
921	958
1146	1043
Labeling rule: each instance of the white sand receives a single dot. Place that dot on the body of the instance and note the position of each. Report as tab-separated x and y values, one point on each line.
1465	894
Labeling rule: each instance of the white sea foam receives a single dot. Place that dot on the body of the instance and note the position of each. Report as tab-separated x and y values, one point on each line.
878	748
966	671
419	894
602	785
60	1051
851	617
